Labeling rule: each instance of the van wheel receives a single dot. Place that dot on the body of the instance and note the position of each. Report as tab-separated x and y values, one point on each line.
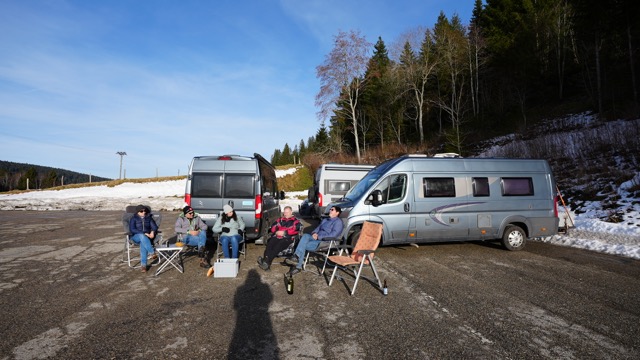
514	238
353	238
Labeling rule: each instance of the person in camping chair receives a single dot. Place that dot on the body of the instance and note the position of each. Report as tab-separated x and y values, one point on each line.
283	231
330	227
230	226
143	230
194	229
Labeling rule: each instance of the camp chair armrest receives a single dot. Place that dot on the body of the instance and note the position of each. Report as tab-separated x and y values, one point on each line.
344	247
366	252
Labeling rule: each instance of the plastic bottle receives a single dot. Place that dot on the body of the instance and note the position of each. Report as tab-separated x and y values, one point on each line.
290	285
385	291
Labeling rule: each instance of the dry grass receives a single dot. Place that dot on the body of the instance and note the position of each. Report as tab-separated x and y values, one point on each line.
299	181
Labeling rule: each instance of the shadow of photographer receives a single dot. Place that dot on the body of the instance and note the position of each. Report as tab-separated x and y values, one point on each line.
253	336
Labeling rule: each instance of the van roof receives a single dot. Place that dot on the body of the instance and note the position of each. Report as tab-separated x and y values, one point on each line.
223	157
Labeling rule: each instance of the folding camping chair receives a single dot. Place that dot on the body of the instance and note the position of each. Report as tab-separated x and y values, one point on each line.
362	254
129	245
326	246
292	247
242	246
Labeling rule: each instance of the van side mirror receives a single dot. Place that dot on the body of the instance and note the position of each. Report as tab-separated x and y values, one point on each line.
281	194
375	198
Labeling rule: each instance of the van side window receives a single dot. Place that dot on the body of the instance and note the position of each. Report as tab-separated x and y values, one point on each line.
517	186
393	188
480	186
439	187
205	185
238	186
343	186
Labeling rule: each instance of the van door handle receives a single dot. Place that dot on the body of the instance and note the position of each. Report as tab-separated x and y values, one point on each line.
406	207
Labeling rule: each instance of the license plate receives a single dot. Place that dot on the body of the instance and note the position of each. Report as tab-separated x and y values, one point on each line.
209	216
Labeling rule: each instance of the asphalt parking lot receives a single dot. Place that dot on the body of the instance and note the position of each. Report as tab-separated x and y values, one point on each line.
66	294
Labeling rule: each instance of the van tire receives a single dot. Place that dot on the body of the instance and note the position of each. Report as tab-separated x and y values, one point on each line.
514	238
353	238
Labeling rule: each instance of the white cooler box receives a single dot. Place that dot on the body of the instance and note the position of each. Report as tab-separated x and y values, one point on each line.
225	268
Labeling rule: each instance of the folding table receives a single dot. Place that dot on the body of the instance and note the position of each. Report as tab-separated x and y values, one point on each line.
171	256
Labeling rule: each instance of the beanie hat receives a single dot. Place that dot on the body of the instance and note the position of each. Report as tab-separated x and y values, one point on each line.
227	209
140	208
187	209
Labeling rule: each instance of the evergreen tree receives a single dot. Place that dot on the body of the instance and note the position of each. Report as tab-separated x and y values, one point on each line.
377	96
50	180
286	157
275	159
31	176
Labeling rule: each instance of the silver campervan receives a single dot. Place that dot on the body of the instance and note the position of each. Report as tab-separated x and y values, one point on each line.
332	182
422	199
247	183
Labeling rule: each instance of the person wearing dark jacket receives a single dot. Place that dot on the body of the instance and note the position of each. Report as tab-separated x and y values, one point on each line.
144	229
330	227
284	229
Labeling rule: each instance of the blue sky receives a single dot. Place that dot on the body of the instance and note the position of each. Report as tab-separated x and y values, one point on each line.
168	80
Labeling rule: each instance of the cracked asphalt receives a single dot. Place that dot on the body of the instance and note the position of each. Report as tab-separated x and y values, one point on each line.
66	294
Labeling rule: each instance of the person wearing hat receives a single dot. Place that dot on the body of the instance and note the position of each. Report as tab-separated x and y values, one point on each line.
230	226
194	229
143	230
330	227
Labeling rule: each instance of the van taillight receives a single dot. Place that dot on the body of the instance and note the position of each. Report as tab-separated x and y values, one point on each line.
258	206
224	157
187	199
319	199
555	206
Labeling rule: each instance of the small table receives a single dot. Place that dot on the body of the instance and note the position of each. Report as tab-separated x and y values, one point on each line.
171	256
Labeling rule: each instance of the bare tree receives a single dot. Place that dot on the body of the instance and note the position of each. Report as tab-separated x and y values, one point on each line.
341	75
451	47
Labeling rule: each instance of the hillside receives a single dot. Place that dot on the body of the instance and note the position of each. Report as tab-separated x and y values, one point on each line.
13	176
595	163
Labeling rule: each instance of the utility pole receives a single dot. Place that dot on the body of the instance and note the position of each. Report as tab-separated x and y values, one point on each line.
122	154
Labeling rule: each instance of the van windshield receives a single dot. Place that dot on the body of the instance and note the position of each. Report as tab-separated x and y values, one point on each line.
363	185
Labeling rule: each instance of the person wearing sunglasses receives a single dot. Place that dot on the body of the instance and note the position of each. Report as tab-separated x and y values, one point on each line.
330	227
143	230
194	229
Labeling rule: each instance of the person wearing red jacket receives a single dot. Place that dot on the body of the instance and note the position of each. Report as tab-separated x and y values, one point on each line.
283	232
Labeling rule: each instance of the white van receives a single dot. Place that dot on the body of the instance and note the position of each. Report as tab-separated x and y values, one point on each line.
332	182
420	199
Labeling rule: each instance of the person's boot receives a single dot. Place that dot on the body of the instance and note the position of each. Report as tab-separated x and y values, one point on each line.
204	263
263	263
292	260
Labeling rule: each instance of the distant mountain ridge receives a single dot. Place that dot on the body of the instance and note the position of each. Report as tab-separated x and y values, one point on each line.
17	176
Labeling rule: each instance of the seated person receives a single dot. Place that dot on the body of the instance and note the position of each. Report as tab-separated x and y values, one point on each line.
284	229
143	230
194	229
330	227
230	226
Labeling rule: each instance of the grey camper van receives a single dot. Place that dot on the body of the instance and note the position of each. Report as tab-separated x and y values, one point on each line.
247	183
422	199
